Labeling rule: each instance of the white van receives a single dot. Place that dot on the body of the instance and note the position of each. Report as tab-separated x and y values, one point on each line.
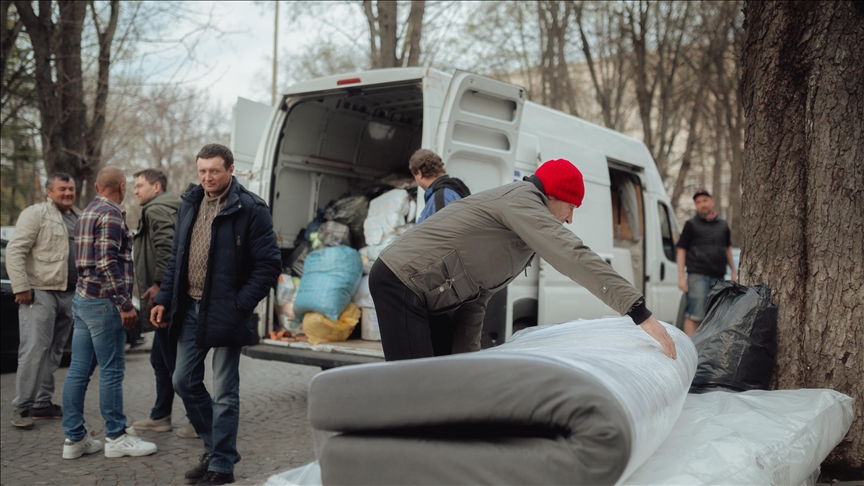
331	134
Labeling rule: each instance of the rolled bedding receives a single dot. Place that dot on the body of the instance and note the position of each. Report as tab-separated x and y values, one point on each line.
584	402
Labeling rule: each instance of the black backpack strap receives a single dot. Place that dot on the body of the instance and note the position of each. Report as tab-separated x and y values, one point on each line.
439	199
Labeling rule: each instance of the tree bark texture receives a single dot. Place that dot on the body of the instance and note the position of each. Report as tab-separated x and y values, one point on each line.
803	192
70	142
558	92
384	38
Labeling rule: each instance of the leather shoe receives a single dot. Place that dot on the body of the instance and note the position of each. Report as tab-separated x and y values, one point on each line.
215	478
199	472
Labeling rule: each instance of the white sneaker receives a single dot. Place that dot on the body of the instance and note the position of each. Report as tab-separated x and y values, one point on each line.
128	444
160	425
87	445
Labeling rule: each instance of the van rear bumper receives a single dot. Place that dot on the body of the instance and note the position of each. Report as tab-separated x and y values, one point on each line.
306	356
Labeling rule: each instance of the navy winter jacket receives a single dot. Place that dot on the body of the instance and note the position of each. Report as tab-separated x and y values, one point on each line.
243	265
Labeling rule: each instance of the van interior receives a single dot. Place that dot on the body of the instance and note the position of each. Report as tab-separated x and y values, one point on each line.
335	143
628	228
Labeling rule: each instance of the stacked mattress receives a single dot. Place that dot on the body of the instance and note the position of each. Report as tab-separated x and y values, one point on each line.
585	402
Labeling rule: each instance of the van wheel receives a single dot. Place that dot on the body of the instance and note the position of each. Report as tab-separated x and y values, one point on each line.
682	308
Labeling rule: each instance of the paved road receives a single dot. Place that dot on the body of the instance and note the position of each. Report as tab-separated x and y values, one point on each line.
274	432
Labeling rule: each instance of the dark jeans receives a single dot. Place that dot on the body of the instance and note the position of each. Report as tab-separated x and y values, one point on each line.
163	357
408	330
214	419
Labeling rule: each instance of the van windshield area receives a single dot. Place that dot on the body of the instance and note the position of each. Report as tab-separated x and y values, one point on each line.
339	142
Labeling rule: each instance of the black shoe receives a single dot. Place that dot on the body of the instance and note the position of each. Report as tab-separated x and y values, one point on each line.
215	478
196	474
50	412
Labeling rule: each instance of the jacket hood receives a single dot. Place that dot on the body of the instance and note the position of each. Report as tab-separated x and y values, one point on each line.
445	181
168	199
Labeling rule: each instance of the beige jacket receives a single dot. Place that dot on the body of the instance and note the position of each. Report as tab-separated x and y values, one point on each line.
476	246
36	257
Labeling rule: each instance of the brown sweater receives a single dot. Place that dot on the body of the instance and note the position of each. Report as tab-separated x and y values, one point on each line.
199	246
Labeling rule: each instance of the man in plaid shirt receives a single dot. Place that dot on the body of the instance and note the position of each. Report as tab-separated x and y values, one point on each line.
101	308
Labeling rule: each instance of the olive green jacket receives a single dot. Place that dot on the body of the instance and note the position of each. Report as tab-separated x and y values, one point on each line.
152	246
474	247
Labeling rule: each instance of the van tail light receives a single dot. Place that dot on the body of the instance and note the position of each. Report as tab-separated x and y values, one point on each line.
342	82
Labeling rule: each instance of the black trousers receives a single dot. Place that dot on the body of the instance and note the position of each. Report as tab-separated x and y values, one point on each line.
408	330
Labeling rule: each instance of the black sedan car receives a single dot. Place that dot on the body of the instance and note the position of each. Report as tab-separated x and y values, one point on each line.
9	324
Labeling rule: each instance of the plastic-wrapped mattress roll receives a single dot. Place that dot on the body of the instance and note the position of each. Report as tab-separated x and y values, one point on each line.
584	402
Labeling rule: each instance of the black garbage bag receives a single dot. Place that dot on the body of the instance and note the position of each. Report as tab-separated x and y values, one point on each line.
350	211
298	258
737	340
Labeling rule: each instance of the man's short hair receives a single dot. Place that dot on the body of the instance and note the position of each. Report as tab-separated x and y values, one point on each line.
427	163
152	176
57	175
213	150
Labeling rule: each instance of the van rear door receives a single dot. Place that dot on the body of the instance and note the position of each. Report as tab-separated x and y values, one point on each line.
250	120
478	131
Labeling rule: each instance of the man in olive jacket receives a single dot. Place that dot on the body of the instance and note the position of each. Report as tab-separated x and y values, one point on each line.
152	250
458	258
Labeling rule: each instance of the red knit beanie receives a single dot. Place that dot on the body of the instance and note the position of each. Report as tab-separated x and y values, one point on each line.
562	180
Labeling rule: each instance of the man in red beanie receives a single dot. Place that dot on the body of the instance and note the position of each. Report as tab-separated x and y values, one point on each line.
432	285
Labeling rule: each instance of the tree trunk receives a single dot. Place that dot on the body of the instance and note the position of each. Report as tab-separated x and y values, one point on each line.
802	192
413	34
70	143
387	29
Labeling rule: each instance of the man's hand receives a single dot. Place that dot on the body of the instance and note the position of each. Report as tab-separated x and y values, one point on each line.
129	318
149	295
653	327
156	315
682	283
22	298
734	277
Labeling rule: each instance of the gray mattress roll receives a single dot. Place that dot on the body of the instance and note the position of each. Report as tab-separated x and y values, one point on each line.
527	412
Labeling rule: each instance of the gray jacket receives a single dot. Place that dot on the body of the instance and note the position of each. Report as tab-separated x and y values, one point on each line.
474	247
37	255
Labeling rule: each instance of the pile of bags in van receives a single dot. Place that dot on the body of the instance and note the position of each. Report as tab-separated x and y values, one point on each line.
325	290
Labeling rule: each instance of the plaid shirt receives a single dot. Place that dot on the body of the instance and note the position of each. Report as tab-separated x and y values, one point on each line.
104	259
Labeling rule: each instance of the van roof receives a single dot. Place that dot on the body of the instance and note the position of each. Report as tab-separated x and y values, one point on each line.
363	78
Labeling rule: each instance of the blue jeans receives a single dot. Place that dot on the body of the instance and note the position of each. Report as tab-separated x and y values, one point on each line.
163	356
698	286
214	419
98	337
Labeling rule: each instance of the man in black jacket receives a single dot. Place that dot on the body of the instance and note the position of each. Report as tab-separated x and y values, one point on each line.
705	248
224	260
441	189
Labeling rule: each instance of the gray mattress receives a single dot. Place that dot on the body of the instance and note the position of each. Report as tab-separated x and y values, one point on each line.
527	412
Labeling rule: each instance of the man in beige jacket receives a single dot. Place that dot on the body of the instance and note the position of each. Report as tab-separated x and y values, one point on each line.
40	260
459	257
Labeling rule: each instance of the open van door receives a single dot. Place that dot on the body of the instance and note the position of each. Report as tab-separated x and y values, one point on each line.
479	129
250	120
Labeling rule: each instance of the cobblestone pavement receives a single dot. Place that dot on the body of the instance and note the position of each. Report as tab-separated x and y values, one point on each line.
274	431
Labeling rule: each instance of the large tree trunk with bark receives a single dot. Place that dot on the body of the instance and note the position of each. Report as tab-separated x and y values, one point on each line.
803	192
70	143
